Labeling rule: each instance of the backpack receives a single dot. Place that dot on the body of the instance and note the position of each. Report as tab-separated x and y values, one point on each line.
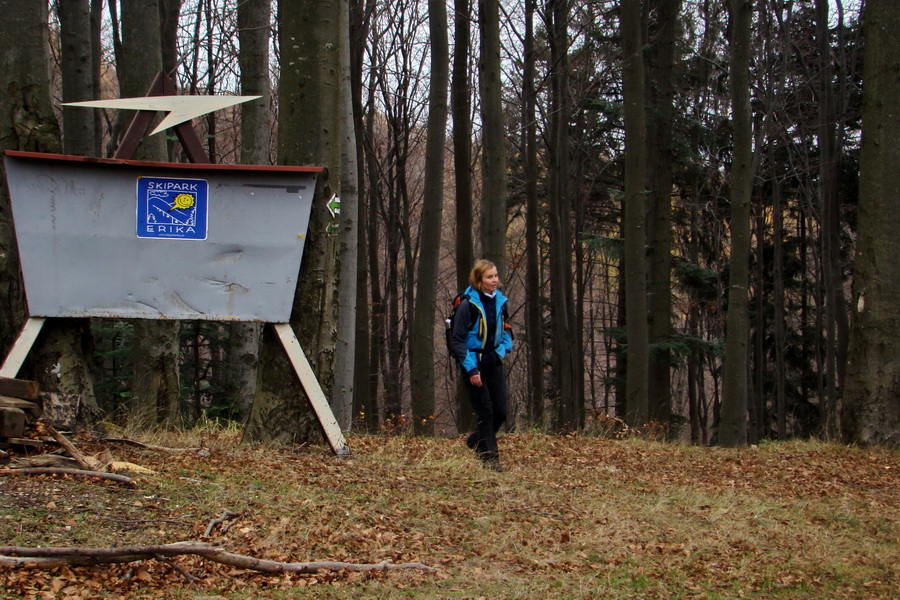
449	323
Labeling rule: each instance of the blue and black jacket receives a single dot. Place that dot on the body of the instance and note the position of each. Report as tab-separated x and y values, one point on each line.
480	338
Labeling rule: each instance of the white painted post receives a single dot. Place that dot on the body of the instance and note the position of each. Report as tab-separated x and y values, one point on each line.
313	390
21	347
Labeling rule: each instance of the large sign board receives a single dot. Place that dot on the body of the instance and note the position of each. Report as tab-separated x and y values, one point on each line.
131	239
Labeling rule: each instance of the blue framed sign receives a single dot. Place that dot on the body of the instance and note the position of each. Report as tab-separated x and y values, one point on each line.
170	208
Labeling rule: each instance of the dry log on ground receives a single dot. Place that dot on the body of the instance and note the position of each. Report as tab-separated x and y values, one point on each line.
16	556
77	473
54	461
138	444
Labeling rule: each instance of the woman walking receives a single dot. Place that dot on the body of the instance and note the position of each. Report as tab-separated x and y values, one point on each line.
481	338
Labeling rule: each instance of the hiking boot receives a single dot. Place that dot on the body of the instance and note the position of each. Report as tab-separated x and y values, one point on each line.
493	464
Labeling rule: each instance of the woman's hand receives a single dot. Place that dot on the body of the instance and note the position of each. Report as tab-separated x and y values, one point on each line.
475	379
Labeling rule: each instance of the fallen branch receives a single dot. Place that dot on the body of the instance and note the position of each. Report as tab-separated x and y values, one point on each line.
78	473
83	461
16	557
226	516
128	442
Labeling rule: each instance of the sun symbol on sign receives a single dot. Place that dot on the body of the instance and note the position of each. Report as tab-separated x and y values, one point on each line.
183	202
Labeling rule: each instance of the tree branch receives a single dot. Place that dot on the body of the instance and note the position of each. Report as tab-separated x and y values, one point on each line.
128	481
45	558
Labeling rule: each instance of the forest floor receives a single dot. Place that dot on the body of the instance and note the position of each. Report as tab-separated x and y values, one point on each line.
571	517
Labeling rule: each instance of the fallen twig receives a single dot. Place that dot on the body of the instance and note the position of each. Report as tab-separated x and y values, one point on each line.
74	472
226	516
15	557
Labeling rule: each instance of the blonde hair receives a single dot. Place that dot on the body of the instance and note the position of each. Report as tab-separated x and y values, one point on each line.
481	267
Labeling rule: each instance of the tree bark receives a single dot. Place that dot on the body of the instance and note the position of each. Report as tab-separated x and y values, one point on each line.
493	196
533	294
637	408
421	351
309	134
461	107
733	419
28	124
659	221
871	412
345	349
254	18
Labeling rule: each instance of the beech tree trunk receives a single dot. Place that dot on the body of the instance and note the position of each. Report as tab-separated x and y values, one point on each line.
493	197
254	19
156	382
309	128
421	350
871	412
461	107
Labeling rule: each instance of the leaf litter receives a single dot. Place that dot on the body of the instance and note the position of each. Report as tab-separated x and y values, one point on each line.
572	517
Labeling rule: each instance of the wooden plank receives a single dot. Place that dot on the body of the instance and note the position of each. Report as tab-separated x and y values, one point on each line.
21	347
27	405
19	388
313	389
12	422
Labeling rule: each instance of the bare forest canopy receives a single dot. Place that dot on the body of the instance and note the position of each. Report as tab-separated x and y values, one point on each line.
572	143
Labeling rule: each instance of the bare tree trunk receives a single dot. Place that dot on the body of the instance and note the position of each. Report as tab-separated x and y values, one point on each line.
569	404
733	419
659	223
493	196
871	412
156	345
364	397
421	350
636	388
345	349
309	134
62	357
77	76
533	305
837	325
254	25
461	107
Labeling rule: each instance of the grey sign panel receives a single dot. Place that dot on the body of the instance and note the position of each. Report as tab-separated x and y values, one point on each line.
130	239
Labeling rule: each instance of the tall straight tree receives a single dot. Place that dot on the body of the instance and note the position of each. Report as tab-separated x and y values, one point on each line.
660	158
309	126
733	415
28	123
61	361
533	307
461	109
836	325
637	408
493	195
871	413
254	18
155	354
345	350
567	378
421	348
77	66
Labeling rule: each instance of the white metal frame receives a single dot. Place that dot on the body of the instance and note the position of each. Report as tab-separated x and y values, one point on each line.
286	335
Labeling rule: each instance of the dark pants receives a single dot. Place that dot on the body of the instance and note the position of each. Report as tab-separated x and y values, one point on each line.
489	403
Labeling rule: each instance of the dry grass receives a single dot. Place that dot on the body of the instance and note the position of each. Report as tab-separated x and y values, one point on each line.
572	517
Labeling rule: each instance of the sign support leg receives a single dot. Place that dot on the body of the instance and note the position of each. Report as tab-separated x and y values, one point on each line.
21	347
313	389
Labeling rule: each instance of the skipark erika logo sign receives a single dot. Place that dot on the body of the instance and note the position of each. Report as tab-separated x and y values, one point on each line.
169	208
